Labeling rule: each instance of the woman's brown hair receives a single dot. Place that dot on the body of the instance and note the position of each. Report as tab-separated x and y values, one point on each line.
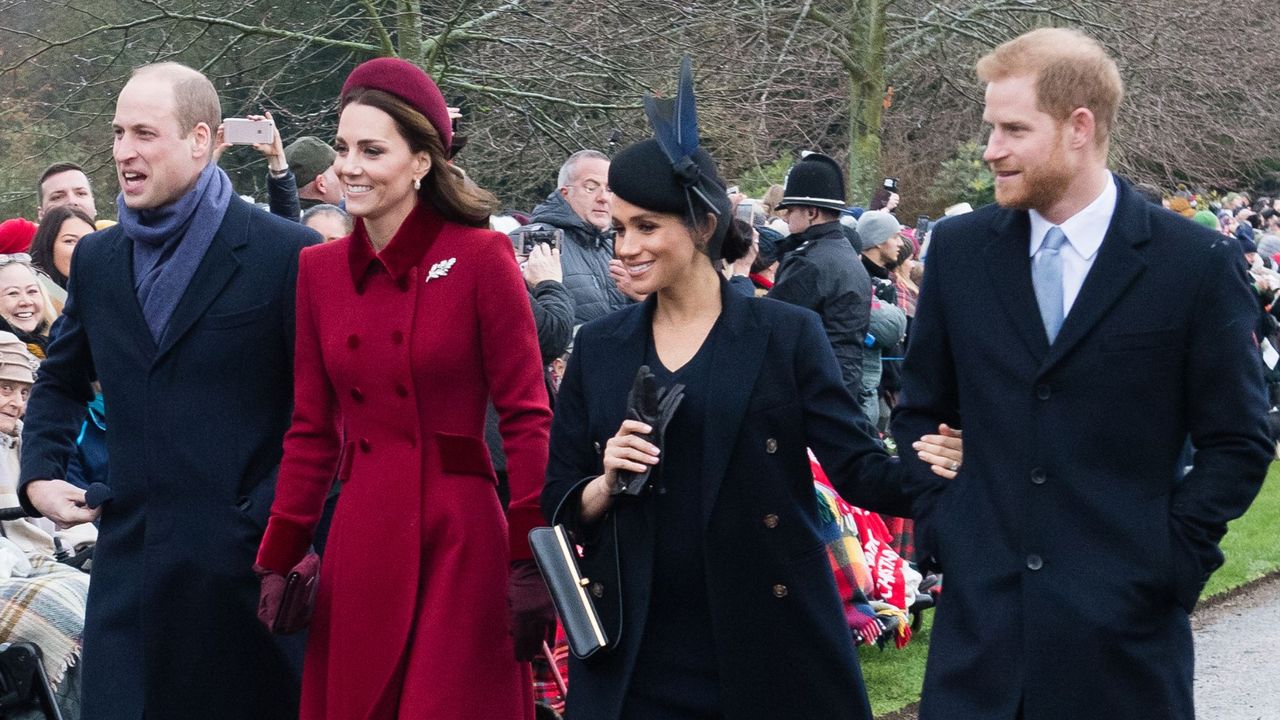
444	188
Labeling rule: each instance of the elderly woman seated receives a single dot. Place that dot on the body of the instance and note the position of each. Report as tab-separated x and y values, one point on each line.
41	599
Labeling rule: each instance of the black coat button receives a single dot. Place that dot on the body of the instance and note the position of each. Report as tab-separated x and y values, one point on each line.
597	589
771	446
1043	392
596	445
771	521
780	590
1035	562
1038	476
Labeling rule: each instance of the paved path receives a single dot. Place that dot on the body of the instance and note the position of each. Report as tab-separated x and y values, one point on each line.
1238	656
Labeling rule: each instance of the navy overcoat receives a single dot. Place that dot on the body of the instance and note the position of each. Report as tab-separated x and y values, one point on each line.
783	649
194	441
1072	547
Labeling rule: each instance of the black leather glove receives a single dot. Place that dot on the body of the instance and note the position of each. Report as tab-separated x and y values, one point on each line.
654	407
533	616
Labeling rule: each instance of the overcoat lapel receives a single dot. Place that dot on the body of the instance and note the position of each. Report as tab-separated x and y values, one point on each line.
217	267
1008	266
118	284
735	362
1117	266
629	338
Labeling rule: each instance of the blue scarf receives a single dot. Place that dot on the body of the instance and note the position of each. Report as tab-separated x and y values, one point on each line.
170	241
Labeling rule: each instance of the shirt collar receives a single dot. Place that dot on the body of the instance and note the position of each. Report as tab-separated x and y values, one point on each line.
1084	230
402	254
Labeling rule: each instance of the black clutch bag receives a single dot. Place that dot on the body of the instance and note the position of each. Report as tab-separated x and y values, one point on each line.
573	595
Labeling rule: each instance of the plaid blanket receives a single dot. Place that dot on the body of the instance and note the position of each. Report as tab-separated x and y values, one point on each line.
892	580
47	609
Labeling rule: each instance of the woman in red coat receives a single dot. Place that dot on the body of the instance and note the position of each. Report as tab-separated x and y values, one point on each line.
405	329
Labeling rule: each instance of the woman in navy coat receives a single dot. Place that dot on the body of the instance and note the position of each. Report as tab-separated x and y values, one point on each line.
721	585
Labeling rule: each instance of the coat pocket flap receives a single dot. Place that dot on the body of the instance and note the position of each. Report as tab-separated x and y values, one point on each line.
464	455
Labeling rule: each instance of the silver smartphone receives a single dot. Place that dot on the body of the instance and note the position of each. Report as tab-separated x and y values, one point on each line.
243	131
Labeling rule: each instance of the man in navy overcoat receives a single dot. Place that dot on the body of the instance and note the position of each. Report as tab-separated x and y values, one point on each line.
1079	335
185	314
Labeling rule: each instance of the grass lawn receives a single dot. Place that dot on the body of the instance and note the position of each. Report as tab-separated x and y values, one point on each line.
1252	547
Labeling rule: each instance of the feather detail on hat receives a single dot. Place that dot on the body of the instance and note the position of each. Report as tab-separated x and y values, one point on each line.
675	127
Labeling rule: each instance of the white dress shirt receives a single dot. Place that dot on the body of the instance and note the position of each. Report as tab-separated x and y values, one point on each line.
1085	231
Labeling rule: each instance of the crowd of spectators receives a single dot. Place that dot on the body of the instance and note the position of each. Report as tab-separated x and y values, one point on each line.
860	270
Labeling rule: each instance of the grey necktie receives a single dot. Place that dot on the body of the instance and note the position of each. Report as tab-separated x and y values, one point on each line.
1046	275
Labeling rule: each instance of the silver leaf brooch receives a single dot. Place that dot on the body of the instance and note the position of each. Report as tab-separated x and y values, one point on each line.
440	269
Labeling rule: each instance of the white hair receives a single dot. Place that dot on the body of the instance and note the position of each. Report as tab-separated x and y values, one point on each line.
566	170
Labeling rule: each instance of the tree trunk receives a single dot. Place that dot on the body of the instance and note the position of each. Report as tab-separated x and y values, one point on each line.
866	98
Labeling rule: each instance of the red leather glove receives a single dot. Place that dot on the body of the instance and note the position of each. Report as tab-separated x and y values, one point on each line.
533	617
285	603
269	595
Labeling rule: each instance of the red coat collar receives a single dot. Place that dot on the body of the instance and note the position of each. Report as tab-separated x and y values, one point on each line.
402	254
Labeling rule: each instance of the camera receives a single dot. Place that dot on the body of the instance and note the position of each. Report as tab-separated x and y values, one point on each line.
527	240
923	224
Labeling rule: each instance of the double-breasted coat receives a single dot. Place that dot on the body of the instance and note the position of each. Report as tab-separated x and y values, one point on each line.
1073	548
194	440
783	648
406	347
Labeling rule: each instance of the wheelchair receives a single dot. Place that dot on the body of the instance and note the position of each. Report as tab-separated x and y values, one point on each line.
24	686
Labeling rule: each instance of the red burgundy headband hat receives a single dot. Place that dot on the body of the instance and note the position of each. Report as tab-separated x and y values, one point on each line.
408	82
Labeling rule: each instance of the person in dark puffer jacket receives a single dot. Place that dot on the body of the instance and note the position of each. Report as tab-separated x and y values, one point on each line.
580	208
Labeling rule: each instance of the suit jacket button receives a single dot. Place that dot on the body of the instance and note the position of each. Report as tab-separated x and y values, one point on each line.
597	589
771	521
1038	476
397	337
779	590
596	445
401	390
364	445
357	395
1035	562
353	341
1043	392
771	446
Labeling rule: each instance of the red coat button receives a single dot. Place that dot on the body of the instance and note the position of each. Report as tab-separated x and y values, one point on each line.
397	337
357	395
401	390
364	445
353	341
